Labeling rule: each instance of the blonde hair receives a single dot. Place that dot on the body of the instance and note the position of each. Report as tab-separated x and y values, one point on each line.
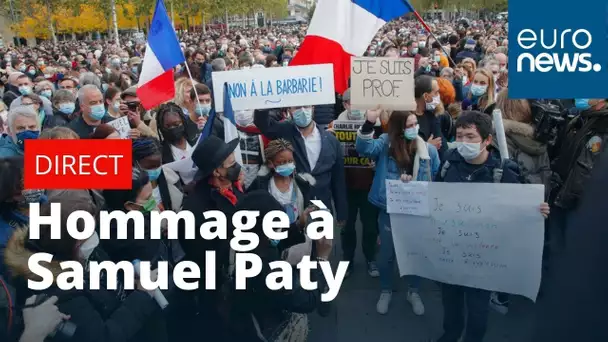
514	109
491	91
180	85
471	61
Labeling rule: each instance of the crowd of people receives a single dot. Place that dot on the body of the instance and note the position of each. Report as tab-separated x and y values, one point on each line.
74	89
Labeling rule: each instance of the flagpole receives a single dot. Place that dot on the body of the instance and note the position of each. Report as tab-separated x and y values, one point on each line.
427	28
193	84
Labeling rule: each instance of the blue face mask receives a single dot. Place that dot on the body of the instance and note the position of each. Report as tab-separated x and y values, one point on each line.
478	90
285	169
98	112
46	93
22	136
202	109
25	90
135	70
582	104
67	108
153	174
411	133
302	117
105	87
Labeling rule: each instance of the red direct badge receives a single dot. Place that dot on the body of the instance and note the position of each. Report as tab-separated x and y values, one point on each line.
78	164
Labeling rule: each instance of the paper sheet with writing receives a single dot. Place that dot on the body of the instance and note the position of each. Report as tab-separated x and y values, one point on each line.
387	82
304	85
407	198
122	126
487	236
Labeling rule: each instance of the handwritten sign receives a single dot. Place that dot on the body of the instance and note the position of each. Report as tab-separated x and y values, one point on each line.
261	88
346	133
407	198
122	126
487	236
388	82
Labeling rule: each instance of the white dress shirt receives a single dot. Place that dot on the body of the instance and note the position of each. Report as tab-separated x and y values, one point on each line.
313	147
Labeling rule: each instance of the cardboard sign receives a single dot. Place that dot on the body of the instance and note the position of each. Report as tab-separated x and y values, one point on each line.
480	235
385	82
346	133
122	126
261	88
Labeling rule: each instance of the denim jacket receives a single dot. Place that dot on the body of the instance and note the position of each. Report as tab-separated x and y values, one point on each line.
426	164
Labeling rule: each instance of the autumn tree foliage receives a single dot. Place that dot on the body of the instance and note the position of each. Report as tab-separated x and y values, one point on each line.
46	18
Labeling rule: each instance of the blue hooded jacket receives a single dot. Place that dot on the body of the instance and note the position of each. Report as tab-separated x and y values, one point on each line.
8	148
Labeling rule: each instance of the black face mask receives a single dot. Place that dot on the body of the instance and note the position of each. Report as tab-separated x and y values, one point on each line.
174	134
233	172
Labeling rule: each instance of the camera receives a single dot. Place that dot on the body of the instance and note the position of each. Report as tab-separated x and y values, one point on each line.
548	118
65	330
133	106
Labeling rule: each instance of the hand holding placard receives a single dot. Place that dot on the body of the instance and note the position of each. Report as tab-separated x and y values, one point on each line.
388	82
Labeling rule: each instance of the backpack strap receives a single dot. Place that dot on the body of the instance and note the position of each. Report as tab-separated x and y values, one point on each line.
444	169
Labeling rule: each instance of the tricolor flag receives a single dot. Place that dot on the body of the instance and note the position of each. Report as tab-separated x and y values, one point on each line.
230	131
340	29
156	84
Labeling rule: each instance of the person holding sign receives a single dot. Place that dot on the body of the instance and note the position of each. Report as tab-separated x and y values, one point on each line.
399	154
316	151
472	162
359	182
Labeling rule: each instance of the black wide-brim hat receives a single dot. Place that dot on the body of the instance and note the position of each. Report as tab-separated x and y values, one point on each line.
210	154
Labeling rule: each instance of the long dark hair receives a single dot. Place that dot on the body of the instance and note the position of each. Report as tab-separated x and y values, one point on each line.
168	109
400	148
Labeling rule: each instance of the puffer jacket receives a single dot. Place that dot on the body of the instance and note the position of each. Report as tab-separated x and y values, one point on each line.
531	155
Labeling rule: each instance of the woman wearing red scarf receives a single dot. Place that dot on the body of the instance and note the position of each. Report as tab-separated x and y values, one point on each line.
218	187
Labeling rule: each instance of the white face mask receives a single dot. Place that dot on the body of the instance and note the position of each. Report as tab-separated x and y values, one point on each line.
356	114
85	250
432	105
469	151
243	118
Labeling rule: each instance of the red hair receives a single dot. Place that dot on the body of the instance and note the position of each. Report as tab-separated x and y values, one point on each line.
446	91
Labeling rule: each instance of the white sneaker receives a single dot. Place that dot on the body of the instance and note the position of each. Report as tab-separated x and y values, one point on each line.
384	302
372	270
416	302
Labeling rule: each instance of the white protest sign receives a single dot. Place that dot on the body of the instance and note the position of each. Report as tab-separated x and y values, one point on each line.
122	126
407	198
480	235
261	88
387	82
185	168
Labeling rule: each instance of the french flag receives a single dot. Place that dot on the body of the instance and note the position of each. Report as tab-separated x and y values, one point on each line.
340	29
156	84
230	130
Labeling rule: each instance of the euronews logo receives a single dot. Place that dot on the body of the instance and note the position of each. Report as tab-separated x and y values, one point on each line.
558	51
